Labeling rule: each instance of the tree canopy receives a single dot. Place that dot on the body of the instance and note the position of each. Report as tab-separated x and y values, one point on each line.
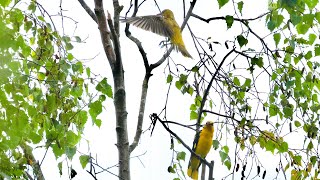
259	83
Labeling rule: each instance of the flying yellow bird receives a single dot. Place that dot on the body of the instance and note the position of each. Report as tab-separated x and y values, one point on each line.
163	24
201	146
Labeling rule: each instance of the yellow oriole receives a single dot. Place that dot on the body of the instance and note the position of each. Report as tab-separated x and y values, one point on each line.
201	146
163	24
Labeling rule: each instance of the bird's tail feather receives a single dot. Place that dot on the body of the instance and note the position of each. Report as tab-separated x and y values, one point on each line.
184	51
192	173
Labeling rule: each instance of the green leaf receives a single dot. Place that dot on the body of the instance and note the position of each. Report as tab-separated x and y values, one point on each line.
308	55
270	146
229	21
70	152
313	159
193	115
273	110
288	112
195	69
276	38
297	123
236	81
311	3
95	108
169	78
295	19
222	3
70	56
317	16
240	6
223	156
35	138
78	39
69	46
57	150
247	83
228	164
283	147
317	50
60	168
97	122
84	159
215	144
5	3
312	38
275	20
226	149
71	138
242	40
297	159
105	88
253	140
310	146
257	61
181	155
302	28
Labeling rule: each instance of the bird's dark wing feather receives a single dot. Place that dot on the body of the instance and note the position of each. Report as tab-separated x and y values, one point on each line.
195	143
153	23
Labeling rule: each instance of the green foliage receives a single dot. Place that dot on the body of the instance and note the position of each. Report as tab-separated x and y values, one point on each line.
181	156
225	159
229	21
84	159
240	6
42	89
242	40
222	3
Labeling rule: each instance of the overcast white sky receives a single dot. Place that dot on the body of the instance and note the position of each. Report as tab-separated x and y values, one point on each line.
153	165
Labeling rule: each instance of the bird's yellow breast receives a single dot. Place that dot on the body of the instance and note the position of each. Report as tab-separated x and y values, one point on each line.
205	142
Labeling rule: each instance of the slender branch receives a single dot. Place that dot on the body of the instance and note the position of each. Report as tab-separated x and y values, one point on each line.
224	18
155	117
115	39
88	10
210	177
143	99
243	21
203	172
206	93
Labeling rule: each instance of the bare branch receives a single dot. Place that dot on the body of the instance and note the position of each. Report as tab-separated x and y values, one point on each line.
104	32
88	10
155	117
206	93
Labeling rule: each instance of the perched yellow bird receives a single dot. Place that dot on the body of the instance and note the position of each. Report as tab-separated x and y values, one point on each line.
201	146
163	24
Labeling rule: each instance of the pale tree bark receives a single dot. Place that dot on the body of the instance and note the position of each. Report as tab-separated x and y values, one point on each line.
27	150
109	31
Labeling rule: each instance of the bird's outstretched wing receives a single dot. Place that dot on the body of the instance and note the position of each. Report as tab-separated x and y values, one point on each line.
154	23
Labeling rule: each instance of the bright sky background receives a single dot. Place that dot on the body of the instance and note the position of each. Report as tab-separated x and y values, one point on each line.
154	163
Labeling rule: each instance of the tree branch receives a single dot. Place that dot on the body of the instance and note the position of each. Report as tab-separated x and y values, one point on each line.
143	100
88	10
104	33
206	93
27	150
155	117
